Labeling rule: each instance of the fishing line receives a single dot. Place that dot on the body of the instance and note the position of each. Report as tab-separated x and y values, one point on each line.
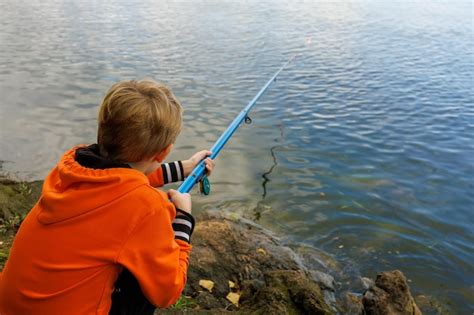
260	204
275	161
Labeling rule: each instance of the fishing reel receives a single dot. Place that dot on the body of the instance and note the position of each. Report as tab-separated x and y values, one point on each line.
205	186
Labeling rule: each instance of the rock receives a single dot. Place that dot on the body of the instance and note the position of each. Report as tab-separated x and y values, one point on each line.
325	281
366	282
328	286
389	295
320	260
430	305
287	291
352	304
269	276
206	300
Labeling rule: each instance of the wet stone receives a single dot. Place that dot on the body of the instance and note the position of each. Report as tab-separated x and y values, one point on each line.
389	295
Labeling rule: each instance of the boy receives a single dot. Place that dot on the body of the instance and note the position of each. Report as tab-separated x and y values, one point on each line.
99	217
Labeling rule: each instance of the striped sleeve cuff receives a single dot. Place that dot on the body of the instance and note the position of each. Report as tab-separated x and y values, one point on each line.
172	172
183	225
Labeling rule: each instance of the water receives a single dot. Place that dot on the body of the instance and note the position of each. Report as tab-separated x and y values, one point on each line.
365	141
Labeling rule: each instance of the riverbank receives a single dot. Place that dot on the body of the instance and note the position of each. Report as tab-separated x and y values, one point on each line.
237	266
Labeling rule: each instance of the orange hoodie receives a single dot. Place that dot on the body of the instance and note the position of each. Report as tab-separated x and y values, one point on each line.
86	226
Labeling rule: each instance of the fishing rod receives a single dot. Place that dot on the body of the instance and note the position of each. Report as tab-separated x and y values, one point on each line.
198	173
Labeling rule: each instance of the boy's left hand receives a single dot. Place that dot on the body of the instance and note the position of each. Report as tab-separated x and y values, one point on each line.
190	164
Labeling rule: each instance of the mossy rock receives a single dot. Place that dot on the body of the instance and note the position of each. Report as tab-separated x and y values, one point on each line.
267	275
286	292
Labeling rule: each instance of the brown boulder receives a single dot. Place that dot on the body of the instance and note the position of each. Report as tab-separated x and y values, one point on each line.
389	295
269	277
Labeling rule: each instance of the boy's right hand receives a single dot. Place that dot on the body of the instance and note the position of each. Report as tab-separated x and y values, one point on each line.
180	200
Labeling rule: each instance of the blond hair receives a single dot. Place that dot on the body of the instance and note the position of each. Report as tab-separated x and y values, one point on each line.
137	120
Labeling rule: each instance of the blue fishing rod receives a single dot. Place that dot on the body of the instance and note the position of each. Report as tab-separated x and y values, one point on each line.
198	173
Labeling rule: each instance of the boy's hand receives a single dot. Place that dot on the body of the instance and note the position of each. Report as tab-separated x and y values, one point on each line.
189	165
180	201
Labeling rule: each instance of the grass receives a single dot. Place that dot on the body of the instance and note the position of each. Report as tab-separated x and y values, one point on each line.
5	245
16	199
11	223
184	303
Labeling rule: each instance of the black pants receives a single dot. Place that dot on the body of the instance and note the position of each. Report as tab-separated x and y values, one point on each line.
128	298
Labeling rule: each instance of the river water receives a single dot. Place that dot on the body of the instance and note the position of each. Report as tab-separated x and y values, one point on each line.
363	148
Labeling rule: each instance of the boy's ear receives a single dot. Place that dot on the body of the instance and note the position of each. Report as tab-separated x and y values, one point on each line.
160	157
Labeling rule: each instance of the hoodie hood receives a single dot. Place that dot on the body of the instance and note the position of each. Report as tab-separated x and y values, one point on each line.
72	189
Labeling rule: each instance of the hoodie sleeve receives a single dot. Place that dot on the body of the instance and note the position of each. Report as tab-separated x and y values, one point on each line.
167	173
157	254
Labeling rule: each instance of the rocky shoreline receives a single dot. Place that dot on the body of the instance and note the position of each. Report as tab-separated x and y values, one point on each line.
238	267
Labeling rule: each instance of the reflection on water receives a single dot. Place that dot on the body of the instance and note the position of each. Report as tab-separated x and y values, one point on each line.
363	147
